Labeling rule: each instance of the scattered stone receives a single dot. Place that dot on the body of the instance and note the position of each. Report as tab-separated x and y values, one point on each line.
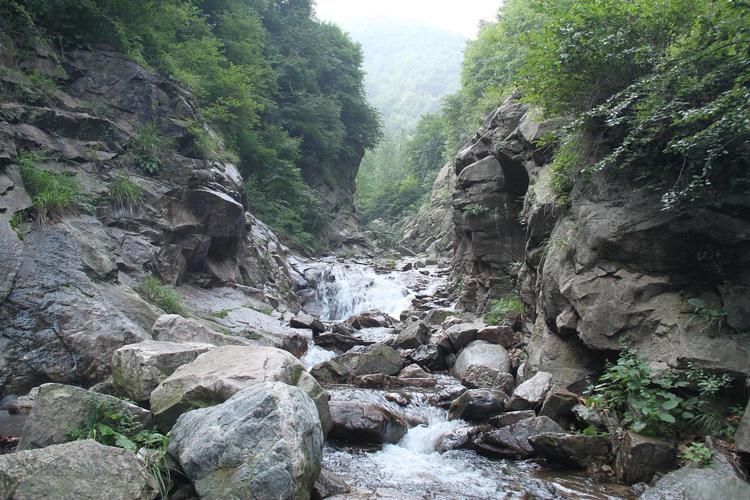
413	335
361	360
445	397
338	341
382	381
218	374
307	322
397	398
329	484
484	365
413	371
364	421
436	317
572	450
510	418
264	442
80	470
138	368
717	481
59	409
530	394
406	267
367	320
461	335
430	357
459	439
500	335
175	328
476	405
513	440
638	457
558	405
601	418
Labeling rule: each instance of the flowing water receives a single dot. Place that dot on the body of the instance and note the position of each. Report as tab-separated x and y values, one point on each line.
414	468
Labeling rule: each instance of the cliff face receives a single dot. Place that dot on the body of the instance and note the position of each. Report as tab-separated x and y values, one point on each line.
67	298
612	266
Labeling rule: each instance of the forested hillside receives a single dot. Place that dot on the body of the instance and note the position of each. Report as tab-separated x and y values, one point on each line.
409	67
284	90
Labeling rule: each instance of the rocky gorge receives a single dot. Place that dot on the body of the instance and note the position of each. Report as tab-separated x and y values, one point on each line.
170	345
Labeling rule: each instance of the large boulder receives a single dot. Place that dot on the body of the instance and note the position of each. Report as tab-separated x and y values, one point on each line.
558	405
218	374
77	470
513	440
718	480
429	356
138	369
572	450
477	405
60	410
175	328
530	394
364	420
456	337
638	457
361	360
482	364
264	442
413	335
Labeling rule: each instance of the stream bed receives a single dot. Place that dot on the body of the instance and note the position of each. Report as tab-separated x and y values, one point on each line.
415	467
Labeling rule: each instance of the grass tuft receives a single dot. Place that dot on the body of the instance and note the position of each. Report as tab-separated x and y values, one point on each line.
53	195
161	295
499	310
124	192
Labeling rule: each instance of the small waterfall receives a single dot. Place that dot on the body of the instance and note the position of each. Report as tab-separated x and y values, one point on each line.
348	288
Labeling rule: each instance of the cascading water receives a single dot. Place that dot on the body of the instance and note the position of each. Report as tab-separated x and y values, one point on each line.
348	288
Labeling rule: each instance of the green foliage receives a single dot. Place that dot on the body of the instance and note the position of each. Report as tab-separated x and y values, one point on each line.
221	313
284	90
110	423
124	192
18	223
161	295
383	233
714	320
568	160
499	310
206	145
146	147
698	454
53	195
475	209
659	405
43	83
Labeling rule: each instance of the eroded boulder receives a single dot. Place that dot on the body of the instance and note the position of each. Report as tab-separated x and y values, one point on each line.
413	335
264	442
361	360
359	420
175	328
138	369
482	364
218	374
530	394
513	440
80	470
60	410
638	457
476	405
572	450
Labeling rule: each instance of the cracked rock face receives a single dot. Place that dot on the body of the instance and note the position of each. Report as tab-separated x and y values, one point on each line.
67	297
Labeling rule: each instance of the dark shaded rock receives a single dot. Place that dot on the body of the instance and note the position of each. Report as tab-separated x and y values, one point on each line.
339	341
61	409
572	450
381	381
530	394
476	405
413	335
513	440
445	397
368	320
361	360
80	470
329	484
362	421
510	417
308	322
742	436
264	442
638	457
558	405
429	356
601	418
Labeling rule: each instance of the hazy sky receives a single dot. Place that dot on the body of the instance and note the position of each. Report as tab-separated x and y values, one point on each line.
458	16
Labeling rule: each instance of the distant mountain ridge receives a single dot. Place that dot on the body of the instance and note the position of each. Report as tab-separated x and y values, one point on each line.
409	67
